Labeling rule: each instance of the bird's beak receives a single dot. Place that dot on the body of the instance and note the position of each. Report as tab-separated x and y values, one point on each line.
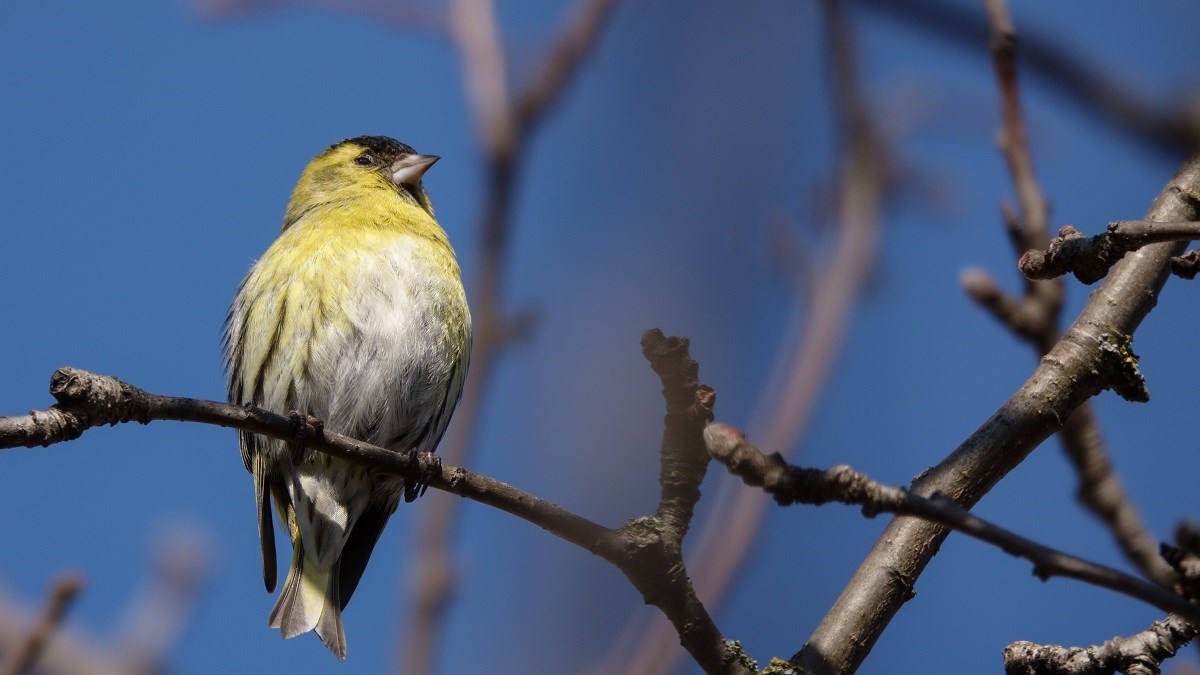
408	169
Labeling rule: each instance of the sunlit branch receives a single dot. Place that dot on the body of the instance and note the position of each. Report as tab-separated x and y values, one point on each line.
789	484
1092	355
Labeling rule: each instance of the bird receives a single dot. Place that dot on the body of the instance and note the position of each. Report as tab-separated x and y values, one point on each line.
354	319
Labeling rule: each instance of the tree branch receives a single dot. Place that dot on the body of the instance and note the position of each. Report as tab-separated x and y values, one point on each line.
1140	654
87	400
1090	258
689	408
1035	317
1167	128
1092	355
25	655
794	485
658	569
562	62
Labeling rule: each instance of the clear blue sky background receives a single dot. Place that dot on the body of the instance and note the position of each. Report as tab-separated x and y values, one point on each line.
147	156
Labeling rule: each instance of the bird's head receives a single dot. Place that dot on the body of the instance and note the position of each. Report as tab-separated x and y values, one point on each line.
359	167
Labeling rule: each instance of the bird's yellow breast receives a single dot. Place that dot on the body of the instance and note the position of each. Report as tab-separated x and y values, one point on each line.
312	283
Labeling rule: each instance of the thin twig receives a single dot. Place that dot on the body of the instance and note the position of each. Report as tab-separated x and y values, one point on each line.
432	578
1187	565
87	400
1169	128
25	656
1013	138
166	602
154	620
1034	317
1101	491
1090	258
1089	358
683	458
1186	265
1140	654
562	63
1028	317
789	485
399	13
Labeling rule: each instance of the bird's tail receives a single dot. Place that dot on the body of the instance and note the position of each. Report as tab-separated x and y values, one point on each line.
309	601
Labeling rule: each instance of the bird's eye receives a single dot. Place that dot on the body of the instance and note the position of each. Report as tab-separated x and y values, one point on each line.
364	160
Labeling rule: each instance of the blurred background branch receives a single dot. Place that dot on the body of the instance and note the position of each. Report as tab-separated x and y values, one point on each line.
154	622
1165	126
22	656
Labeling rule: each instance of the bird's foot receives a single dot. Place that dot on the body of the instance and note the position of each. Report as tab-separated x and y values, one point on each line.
414	489
303	422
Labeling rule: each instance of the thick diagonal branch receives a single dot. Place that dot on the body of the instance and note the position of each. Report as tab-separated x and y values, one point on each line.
1078	367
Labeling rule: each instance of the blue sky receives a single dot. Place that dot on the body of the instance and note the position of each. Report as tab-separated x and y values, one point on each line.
148	154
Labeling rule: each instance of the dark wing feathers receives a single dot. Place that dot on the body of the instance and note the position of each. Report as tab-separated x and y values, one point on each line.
359	545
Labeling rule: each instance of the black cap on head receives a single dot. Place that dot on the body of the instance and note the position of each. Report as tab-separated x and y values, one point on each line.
382	146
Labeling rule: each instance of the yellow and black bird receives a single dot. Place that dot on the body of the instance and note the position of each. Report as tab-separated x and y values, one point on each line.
355	316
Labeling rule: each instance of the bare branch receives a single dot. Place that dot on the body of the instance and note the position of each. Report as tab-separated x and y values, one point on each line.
1013	138
1100	490
1090	258
689	409
1164	127
1187	565
1187	536
658	569
1139	654
166	603
794	485
400	13
1028	317
153	621
87	400
22	658
1035	317
1078	367
562	62
476	35
1186	265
